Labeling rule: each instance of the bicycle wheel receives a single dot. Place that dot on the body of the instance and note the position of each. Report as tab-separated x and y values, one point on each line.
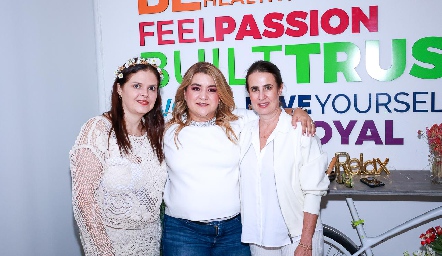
336	243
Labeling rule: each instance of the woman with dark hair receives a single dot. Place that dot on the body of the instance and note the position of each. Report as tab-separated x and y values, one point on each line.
202	155
282	175
118	170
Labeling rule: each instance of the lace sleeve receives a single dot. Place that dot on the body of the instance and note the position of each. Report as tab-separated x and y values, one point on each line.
87	161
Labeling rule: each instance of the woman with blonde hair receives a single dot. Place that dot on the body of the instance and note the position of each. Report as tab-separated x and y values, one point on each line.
202	155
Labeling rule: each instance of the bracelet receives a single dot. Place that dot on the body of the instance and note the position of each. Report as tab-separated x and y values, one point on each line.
293	110
305	109
307	247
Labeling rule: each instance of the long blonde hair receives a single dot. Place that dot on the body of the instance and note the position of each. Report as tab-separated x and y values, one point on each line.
226	103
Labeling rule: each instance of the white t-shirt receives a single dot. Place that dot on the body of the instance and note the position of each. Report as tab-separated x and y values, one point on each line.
203	171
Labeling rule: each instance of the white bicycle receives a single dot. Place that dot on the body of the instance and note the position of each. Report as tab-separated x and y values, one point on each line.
403	183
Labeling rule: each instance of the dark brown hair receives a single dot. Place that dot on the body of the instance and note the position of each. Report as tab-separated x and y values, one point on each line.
153	120
263	66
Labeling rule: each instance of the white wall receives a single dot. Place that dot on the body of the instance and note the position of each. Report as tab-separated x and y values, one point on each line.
48	83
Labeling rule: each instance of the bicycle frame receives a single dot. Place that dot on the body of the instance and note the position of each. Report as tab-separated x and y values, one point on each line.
368	242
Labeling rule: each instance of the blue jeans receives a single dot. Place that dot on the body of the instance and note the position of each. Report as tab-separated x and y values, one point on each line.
217	238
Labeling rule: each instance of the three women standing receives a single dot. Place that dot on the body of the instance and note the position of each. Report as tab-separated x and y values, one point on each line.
118	170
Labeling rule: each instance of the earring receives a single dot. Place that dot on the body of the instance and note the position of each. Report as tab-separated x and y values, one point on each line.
250	107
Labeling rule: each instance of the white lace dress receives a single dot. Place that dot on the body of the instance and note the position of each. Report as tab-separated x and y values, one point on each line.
116	199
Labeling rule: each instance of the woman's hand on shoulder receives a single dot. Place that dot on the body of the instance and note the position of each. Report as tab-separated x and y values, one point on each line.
307	123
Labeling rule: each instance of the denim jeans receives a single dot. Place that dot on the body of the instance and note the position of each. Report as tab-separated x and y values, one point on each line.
218	238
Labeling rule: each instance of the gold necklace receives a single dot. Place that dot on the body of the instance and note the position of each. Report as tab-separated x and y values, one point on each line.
264	132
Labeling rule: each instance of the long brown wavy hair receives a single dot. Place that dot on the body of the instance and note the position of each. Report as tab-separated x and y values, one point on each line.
153	120
226	104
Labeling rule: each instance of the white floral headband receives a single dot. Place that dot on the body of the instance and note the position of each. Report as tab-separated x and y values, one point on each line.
135	61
